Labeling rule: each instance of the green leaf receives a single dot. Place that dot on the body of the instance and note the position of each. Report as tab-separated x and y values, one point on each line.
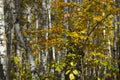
109	7
58	69
118	23
16	59
75	72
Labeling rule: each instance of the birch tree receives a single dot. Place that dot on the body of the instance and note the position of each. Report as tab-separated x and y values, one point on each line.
3	47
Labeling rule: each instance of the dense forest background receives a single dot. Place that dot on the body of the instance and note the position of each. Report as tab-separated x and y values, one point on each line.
59	39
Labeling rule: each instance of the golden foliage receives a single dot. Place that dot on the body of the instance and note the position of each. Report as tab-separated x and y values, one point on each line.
97	18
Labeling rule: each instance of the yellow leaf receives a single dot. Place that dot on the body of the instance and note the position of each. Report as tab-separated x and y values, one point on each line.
71	76
83	37
74	34
80	13
97	18
37	61
67	72
14	79
108	75
53	65
71	63
83	31
35	51
98	78
24	33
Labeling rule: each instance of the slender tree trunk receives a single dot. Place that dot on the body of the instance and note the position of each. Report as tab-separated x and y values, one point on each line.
45	27
10	30
29	53
117	55
3	48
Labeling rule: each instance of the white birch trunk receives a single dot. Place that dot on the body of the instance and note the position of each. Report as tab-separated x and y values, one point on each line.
50	26
30	56
45	27
3	55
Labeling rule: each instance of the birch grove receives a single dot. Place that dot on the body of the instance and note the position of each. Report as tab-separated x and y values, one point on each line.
59	40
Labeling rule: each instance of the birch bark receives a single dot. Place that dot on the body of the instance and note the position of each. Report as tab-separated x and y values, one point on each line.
3	48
